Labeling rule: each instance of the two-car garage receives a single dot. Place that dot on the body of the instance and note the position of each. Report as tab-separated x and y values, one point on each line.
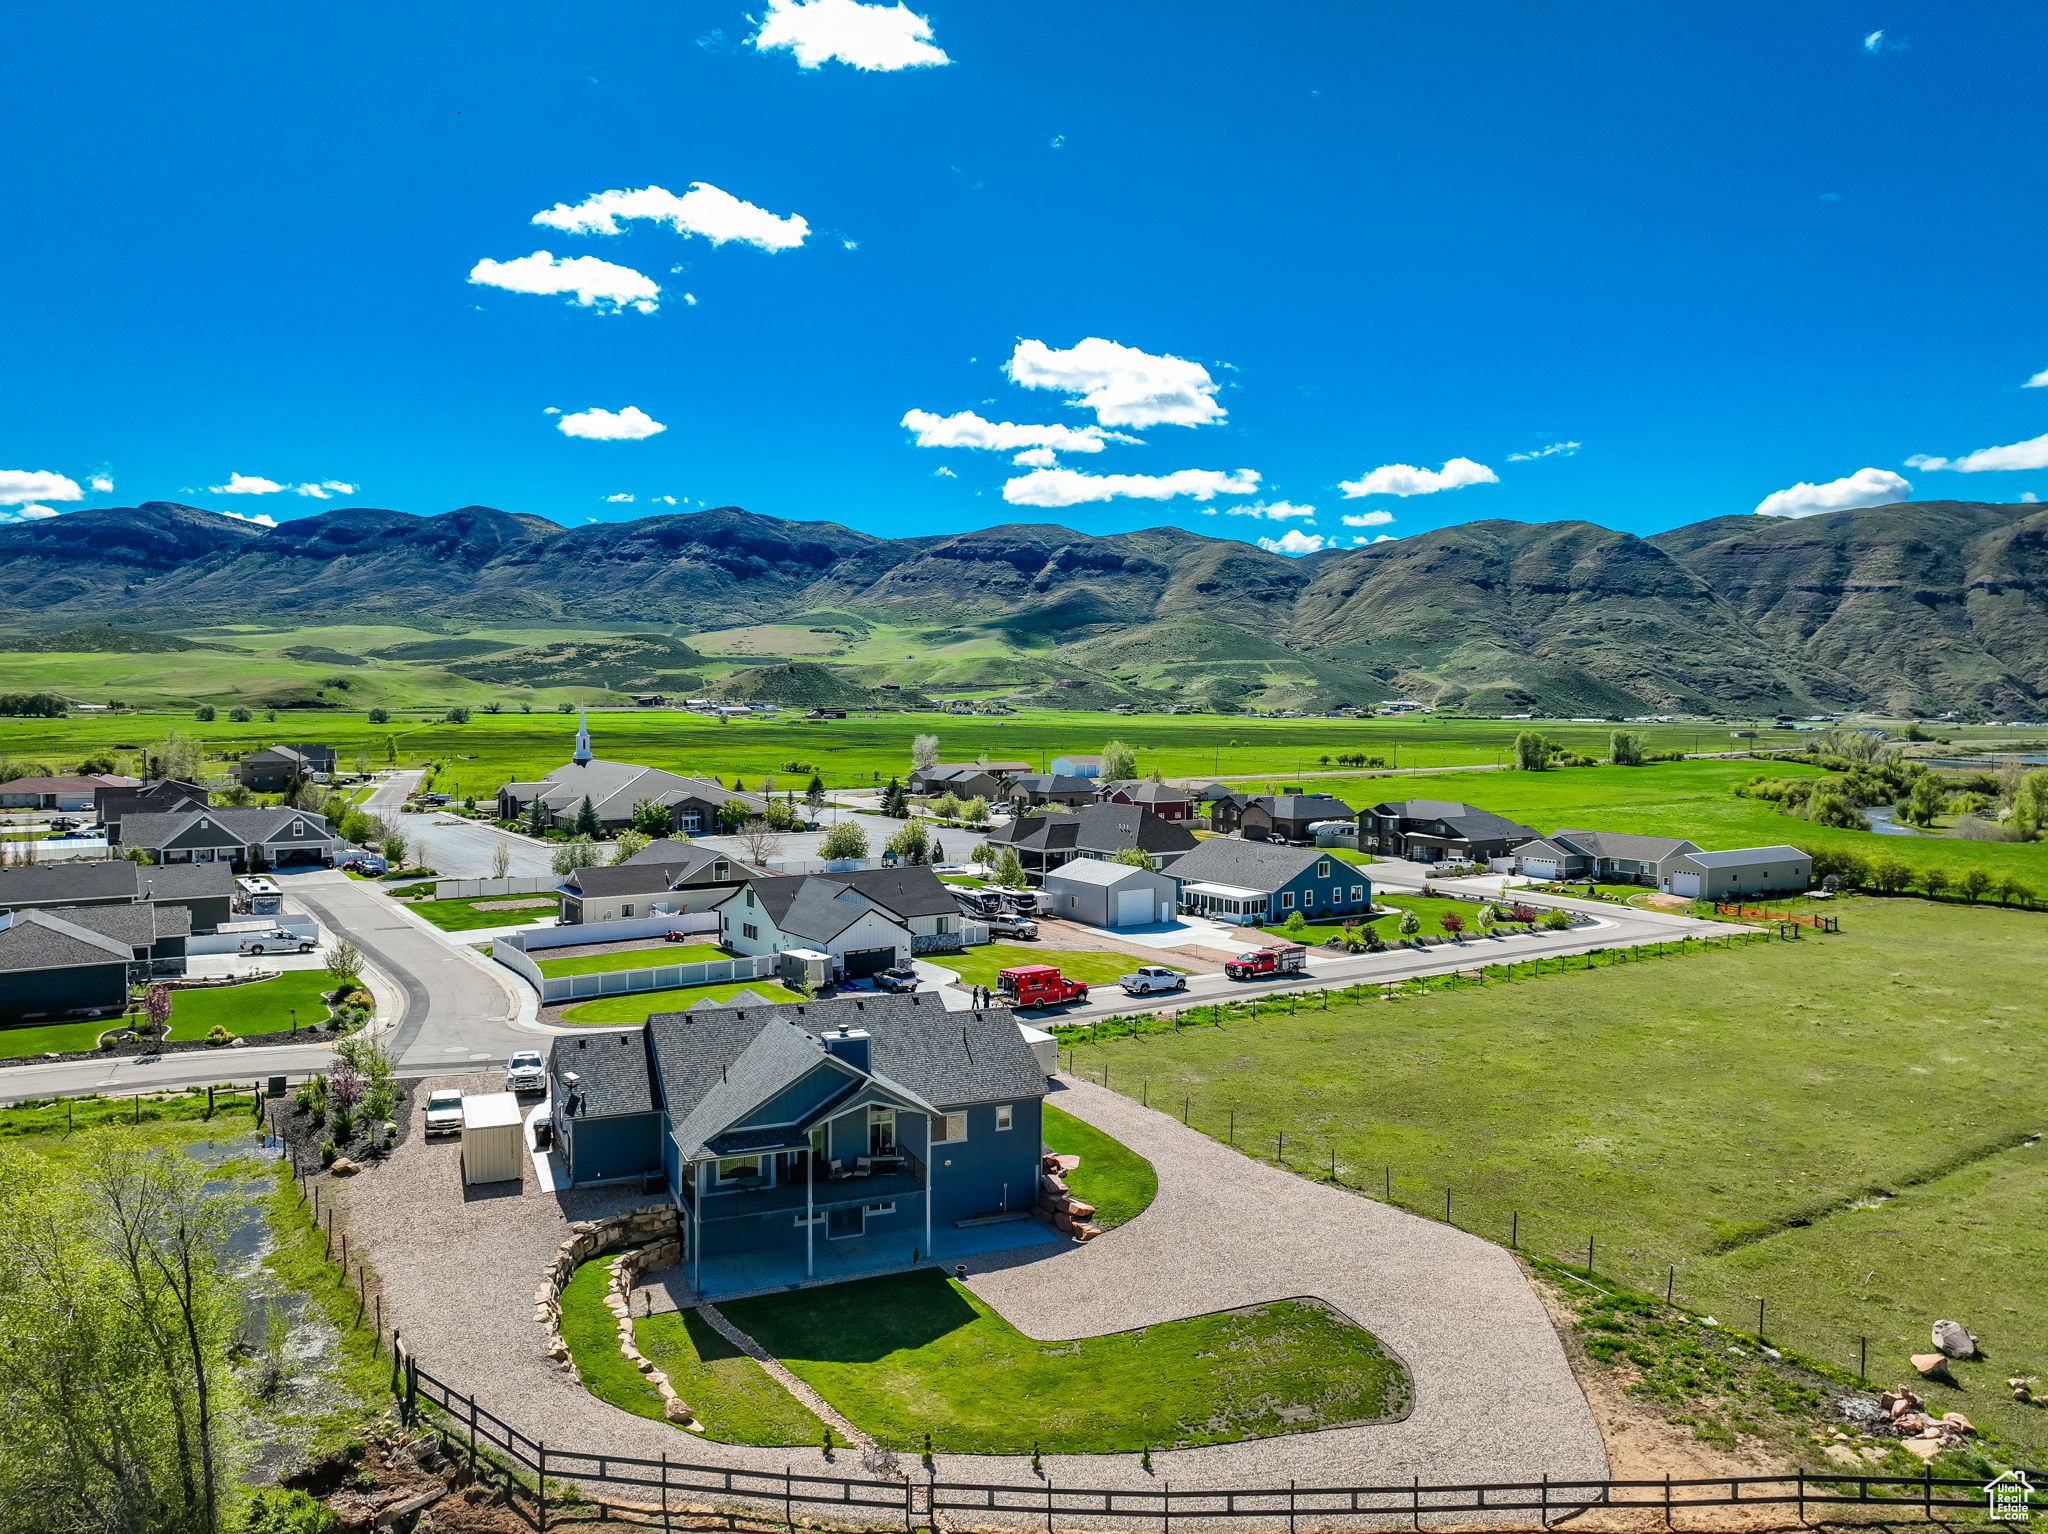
863	962
1104	894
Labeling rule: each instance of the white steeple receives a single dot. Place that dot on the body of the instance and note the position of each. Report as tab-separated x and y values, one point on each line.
581	755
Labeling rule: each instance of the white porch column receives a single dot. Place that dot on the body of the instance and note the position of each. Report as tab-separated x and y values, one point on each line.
810	1230
931	1164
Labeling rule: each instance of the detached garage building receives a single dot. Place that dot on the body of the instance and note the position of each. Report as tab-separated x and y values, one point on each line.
1739	871
1110	894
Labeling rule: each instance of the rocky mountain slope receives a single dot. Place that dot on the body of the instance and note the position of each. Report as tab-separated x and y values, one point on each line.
1919	606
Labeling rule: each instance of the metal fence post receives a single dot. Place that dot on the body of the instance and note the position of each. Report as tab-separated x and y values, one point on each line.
541	1480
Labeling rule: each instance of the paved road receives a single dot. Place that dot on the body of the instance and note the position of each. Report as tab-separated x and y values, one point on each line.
450	845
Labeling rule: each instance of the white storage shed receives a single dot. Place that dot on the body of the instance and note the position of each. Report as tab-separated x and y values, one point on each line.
493	1138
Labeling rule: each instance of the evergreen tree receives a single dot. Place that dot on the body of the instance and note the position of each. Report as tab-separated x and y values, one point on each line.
586	820
537	817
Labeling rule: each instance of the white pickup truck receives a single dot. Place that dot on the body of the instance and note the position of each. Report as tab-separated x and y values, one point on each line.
277	940
1147	979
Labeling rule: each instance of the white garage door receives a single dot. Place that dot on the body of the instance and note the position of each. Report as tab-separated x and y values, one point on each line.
1686	884
1133	908
1540	868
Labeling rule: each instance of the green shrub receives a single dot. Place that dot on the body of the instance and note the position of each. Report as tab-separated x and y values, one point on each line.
277	1511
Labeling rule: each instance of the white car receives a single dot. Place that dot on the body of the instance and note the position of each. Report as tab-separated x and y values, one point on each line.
444	1112
527	1072
277	940
1147	978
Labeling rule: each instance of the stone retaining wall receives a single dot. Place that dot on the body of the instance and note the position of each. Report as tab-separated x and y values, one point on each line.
1059	1208
652	1240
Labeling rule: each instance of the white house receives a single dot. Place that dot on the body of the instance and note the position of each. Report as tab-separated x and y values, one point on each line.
1738	871
814	912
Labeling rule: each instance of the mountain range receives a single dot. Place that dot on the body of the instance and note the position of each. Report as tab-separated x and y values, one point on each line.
1909	608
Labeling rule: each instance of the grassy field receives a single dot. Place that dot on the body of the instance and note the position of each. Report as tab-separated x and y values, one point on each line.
1118	1181
632	958
263	1007
916	1353
467	916
641	1005
1092	966
1839	1125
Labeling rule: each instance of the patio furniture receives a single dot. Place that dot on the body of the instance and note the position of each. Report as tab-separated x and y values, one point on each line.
862	1166
838	1172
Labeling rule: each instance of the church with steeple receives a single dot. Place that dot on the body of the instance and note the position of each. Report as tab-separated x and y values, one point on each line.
615	790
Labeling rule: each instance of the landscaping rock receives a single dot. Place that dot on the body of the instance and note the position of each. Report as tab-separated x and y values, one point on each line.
1930	1364
343	1167
1923	1448
1956	1422
675	1410
1955	1339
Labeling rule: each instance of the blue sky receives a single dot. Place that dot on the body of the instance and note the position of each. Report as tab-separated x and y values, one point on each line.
1726	251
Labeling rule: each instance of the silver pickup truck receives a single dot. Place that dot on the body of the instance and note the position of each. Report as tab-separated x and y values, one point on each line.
1147	979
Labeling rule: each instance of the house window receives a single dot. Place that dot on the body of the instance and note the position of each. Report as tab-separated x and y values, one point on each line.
626	909
1323	869
737	1168
803	1219
945	924
950	1126
1005	1115
749	930
881	1131
1287	900
717	869
1357	894
881	1209
750	894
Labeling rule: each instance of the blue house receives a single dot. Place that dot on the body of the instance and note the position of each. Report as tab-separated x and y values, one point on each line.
1255	883
812	1138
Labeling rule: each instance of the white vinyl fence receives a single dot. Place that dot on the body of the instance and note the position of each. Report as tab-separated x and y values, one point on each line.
521	954
477	889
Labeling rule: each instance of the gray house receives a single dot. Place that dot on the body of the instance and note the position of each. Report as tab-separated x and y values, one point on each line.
1046	842
1736	872
248	840
1254	883
781	1132
679	876
205	890
1106	894
279	769
59	960
1617	857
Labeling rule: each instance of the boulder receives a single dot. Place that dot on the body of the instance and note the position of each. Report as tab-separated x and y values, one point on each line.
343	1167
1079	1210
1922	1448
1085	1232
676	1410
1930	1364
1954	1339
1956	1423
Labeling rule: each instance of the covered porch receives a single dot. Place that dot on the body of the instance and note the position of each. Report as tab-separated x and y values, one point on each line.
1226	902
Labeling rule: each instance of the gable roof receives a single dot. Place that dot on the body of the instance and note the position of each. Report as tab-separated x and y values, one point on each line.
223	827
37	940
1052	783
50	884
685	855
907	891
1109	828
1100	871
622	879
1739	857
1248	865
610	1069
814	907
1301	806
1622	844
77	783
1145	791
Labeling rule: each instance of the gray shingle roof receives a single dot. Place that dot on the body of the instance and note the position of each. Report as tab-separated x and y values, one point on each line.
610	1069
1052	783
1304	806
1108	828
635	878
902	892
1623	844
1248	865
60	883
237	827
37	940
1742	857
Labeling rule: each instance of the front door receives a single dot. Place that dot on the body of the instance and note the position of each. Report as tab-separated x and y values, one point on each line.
851	1221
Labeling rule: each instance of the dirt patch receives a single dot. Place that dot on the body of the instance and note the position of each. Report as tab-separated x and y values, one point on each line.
578	950
513	905
1054	933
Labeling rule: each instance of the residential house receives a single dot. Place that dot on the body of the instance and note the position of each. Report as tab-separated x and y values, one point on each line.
250	840
1438	831
809	1136
1077	766
1275	817
1035	790
815	914
1161	799
205	890
1612	857
72	793
917	900
1258	883
56	960
1109	894
1045	842
1736	872
109	805
280	769
679	877
963	780
616	789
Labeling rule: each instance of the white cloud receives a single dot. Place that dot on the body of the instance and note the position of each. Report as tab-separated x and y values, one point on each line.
1070	487
966	429
880	37
591	283
1036	458
27	514
628	425
2028	498
1122	385
624	495
1866	487
704	210
1551	450
100	484
260	518
666	500
2038	381
1406	479
246	484
1874	41
942	472
18	485
326	489
1382	538
1370	519
2031	454
1293	541
1275	511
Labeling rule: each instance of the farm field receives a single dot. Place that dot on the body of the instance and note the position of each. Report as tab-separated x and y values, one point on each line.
1845	1126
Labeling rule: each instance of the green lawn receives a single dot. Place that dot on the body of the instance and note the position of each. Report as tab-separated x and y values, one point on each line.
593	1338
1836	1124
633	958
731	1394
980	965
263	1007
641	1005
1430	909
1118	1181
465	916
916	1353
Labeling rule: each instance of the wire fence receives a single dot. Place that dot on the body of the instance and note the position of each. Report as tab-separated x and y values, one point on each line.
546	1484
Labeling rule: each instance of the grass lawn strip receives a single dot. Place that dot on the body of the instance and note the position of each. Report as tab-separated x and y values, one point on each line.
593	1338
632	958
1118	1181
1092	966
916	1353
735	1399
263	1006
464	915
1839	1124
1429	909
641	1005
